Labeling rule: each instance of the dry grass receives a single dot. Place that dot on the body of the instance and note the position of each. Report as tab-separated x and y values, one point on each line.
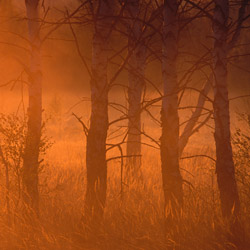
134	223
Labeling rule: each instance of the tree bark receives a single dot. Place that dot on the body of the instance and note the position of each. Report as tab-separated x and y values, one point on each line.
31	152
225	169
96	140
171	177
137	52
189	128
6	5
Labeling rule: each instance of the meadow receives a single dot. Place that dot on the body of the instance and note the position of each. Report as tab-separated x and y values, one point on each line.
133	219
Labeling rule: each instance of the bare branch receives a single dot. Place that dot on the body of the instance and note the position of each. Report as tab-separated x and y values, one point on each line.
85	129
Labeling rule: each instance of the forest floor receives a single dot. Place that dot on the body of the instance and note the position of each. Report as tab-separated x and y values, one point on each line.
132	222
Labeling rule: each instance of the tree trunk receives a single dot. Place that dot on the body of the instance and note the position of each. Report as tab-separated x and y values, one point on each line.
137	52
224	158
31	153
96	139
172	180
6	5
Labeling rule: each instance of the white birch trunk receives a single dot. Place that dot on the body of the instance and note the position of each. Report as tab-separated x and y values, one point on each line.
31	153
225	169
189	128
137	52
172	180
224	158
96	139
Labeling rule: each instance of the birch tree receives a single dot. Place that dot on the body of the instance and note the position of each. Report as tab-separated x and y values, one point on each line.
96	139
225	168
171	177
31	152
136	72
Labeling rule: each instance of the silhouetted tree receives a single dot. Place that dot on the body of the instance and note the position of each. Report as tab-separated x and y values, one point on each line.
136	74
224	163
96	139
172	180
225	168
32	144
